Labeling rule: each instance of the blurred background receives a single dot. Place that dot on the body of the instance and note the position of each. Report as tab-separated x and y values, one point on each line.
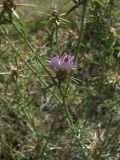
33	124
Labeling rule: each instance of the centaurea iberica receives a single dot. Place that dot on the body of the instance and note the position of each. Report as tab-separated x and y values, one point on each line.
63	63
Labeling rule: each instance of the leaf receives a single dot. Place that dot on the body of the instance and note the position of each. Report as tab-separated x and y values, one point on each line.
15	13
71	9
67	2
57	22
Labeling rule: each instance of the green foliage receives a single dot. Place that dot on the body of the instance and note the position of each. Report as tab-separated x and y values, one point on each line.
75	116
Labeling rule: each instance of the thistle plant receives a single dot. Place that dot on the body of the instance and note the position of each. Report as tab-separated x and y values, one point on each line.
8	10
63	63
67	108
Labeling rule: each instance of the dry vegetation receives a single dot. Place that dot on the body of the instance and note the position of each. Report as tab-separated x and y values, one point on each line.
52	115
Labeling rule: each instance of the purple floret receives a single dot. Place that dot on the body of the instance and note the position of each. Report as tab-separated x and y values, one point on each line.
64	63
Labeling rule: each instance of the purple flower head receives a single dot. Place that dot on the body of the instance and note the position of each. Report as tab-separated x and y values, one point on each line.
63	63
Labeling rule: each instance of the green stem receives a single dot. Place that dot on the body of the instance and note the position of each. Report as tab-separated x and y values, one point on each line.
35	72
84	10
65	107
31	48
70	122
